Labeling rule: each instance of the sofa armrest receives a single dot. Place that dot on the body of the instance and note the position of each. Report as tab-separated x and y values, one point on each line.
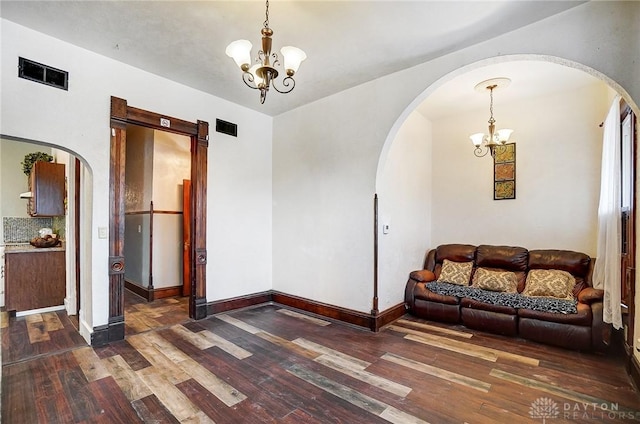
590	295
423	276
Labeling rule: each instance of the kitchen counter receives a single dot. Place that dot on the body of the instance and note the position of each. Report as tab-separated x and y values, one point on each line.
26	247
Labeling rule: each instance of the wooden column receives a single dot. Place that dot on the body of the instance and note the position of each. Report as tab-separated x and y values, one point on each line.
200	146
115	329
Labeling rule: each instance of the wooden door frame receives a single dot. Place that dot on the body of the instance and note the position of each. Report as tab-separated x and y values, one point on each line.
121	116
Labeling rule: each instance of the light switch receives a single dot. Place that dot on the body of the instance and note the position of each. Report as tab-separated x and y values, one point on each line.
385	228
103	232
139	228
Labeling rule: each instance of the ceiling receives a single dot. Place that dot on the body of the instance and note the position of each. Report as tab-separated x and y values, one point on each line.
347	42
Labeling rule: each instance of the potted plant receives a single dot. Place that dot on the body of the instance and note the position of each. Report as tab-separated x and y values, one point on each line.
31	158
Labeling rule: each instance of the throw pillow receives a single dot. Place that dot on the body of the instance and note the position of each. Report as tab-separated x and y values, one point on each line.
498	281
549	283
455	272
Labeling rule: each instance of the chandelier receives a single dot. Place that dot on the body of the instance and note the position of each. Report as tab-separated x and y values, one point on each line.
262	75
485	143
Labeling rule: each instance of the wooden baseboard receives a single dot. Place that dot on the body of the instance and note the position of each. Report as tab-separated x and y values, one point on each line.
225	305
153	294
388	316
100	336
360	319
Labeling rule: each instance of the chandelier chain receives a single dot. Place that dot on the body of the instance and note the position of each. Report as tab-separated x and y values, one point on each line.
266	16
491	120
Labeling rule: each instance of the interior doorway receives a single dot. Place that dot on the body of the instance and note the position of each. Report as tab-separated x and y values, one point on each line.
123	116
157	211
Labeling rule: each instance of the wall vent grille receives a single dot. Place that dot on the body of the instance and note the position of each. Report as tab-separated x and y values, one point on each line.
225	127
44	74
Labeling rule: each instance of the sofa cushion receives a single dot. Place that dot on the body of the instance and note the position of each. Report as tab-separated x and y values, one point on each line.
549	283
503	257
483	306
583	316
455	272
575	263
499	281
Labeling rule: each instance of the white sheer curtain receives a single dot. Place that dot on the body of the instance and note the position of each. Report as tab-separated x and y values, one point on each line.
606	274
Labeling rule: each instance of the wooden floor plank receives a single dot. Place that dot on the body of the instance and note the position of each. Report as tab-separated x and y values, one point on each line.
313	320
445	344
126	378
224	344
159	361
316	347
363	402
219	388
18	394
347	368
151	410
90	364
115	406
172	398
52	321
437	372
194	338
37	329
433	328
83	404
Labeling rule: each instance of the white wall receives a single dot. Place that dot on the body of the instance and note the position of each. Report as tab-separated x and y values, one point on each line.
558	151
405	200
239	179
326	153
171	165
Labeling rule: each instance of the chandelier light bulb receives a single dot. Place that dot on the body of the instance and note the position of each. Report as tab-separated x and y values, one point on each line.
293	57
240	52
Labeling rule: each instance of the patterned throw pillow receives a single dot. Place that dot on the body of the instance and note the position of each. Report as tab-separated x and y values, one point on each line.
498	281
455	272
549	283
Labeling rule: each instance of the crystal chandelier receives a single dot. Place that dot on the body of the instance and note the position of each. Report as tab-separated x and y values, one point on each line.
485	143
262	75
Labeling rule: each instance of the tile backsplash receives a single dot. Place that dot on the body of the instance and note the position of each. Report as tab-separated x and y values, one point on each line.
21	230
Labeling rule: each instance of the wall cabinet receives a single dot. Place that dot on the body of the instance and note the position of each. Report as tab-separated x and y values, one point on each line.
34	279
47	184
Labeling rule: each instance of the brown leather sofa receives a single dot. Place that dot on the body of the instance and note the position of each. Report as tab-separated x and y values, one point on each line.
583	330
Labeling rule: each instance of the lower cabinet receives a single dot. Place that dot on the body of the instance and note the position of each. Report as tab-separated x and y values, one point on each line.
35	279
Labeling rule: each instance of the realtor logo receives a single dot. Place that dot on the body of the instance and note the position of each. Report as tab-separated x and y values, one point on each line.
544	408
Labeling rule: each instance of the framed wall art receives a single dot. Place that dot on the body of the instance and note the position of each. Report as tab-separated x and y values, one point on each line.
504	172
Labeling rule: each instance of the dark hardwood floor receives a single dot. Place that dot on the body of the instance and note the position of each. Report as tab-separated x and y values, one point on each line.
270	364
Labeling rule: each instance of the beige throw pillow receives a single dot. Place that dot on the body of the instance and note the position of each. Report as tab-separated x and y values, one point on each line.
455	272
549	283
498	281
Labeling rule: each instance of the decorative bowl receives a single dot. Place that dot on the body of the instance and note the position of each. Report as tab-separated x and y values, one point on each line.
46	241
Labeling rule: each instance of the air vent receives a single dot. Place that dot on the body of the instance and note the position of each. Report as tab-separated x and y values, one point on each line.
34	71
225	127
